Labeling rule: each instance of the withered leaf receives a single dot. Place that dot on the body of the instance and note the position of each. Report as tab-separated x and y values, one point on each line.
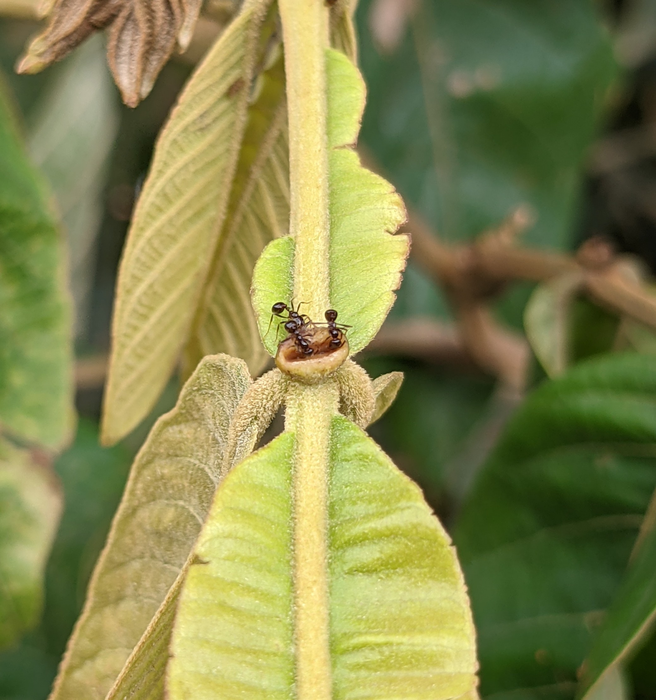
142	36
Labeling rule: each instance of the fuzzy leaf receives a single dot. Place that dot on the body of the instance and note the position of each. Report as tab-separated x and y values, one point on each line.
400	621
257	213
546	533
164	506
174	232
36	393
30	506
386	387
365	260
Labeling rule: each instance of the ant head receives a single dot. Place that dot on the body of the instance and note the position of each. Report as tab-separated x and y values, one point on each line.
331	315
291	326
278	308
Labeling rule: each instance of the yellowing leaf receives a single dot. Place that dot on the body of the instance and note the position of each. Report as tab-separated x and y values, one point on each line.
30	506
178	218
400	625
366	262
164	506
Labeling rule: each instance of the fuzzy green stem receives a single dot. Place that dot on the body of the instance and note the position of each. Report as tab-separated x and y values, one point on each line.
309	413
310	408
305	37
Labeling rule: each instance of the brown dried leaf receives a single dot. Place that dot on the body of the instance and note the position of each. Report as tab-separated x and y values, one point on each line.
142	36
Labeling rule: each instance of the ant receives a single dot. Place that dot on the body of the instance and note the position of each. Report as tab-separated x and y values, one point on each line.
297	325
336	330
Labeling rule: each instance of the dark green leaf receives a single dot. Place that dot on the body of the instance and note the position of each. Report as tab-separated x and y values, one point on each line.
546	535
631	616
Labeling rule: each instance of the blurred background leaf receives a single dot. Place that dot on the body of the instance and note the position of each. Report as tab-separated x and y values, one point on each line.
92	480
35	335
30	505
547	531
72	130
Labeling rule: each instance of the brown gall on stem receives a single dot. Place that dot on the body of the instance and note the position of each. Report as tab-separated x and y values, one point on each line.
293	360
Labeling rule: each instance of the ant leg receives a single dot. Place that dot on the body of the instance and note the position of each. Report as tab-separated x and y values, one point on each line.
269	326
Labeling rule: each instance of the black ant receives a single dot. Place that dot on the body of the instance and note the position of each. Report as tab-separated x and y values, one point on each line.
336	330
297	325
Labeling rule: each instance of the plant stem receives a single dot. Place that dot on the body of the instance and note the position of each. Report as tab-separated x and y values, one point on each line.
305	37
310	408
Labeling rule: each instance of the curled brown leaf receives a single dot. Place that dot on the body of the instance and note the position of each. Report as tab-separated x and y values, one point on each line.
142	34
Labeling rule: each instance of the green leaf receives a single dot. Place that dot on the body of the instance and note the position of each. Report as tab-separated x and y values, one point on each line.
164	506
177	223
36	397
547	321
30	505
365	260
547	531
630	617
386	387
92	479
612	686
70	140
500	112
399	619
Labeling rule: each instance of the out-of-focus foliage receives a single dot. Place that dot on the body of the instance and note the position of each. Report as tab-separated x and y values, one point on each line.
92	480
71	134
547	531
30	505
35	338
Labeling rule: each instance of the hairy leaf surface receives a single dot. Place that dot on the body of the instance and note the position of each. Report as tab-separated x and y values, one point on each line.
365	260
547	532
36	398
257	213
177	222
399	619
164	506
30	505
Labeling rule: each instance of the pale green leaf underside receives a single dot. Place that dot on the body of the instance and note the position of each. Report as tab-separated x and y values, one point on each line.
629	619
258	213
174	230
366	262
386	387
165	503
400	620
36	397
30	505
142	677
